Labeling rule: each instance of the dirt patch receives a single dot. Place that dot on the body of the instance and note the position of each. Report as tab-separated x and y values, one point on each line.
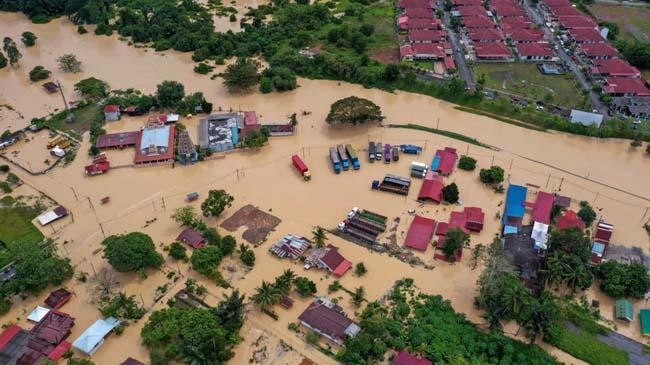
259	223
386	55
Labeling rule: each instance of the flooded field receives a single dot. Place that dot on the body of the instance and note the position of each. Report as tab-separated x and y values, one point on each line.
266	179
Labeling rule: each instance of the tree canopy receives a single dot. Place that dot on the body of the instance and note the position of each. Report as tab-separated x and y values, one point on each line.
69	63
29	39
354	110
39	73
3	61
170	93
92	88
206	261
456	239
278	78
586	213
466	163
492	176
450	193
10	48
185	215
567	259
216	202
122	306
131	252
304	286
621	280
242	75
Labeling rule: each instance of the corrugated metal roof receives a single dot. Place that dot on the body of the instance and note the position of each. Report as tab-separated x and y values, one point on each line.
586	118
93	336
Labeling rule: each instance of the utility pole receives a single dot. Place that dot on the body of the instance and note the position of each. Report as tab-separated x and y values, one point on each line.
163	203
102	228
70	118
492	164
548	180
438	124
75	193
560	187
425	144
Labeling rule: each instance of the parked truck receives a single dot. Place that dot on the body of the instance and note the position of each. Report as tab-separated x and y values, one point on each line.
371	151
301	166
418	169
378	151
395	153
65	143
345	161
387	153
353	156
410	149
374	216
55	140
334	157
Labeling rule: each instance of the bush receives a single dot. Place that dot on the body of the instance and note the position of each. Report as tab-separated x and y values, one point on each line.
360	269
29	39
177	251
203	68
4	186
492	176
466	163
205	260
4	168
586	213
81	29
304	286
247	256
450	193
39	73
232	18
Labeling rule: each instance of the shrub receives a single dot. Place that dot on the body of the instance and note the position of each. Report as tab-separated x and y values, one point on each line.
4	168
39	73
360	269
4	186
492	176
203	68
586	213
466	163
177	251
450	193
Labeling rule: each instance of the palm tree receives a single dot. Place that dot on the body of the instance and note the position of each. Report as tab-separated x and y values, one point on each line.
284	281
319	236
266	295
515	298
359	296
540	317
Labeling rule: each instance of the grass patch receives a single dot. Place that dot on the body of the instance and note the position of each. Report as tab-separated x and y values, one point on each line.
525	79
501	118
16	223
84	115
632	22
587	347
442	132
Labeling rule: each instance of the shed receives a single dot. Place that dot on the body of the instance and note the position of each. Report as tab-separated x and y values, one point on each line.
93	337
334	261
644	315
111	112
624	310
54	214
586	118
420	233
38	314
192	238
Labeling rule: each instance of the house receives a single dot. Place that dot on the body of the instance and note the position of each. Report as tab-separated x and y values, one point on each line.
542	207
614	68
93	337
557	3
514	208
565	12
220	132
506	10
52	215
485	35
458	3
637	107
625	86
334	262
133	110
444	161
449	63
492	51
471	10
427	36
525	258
420	233
111	112
534	52
423	24
569	220
250	123
474	218
624	309
431	188
117	140
477	22
514	22
523	35
329	320
586	118
58	298
406	52
37	314
644	315
155	145
186	150
428	51
404	358
604	231
416	13
576	22
586	35
192	238
290	246
131	361
417	4
598	51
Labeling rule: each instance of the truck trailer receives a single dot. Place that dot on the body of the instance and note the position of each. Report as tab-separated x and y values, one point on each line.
410	149
387	153
371	151
378	152
302	168
343	155
353	156
395	153
334	157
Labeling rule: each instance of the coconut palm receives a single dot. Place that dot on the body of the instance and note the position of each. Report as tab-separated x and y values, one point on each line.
540	317
319	236
359	296
515	297
283	282
266	295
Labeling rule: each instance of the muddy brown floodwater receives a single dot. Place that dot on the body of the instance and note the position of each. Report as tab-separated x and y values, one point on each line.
265	178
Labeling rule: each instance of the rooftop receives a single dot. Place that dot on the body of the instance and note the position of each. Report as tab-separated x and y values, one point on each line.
420	233
521	250
491	50
626	85
472	10
192	238
426	35
155	144
414	4
507	10
113	140
586	118
444	161
404	358
599	50
431	187
93	337
542	209
433	49
564	11
569	220
486	34
615	67
479	21
111	108
526	35
576	21
329	319
413	13
584	35
335	262
534	50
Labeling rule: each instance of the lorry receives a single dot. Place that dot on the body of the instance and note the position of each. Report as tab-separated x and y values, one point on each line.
395	153
345	161
55	140
378	149
376	221
334	157
418	169
410	149
387	155
353	156
302	168
371	151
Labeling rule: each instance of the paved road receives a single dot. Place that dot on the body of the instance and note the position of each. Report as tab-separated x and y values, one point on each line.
463	69
567	60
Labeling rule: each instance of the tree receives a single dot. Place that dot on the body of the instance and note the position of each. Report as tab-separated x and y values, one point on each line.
285	281
358	296
29	39
567	259
360	269
131	252
390	73
354	110
586	213
177	251
227	245
10	48
185	215
622	280
69	63
216	202
3	61
304	286
39	73
478	254
231	311
540	316
450	193
121	306
242	75
319	235
456	239
206	261
170	93
466	163
266	296
203	68
492	176
246	255
78	361
254	139
266	85
92	88
281	78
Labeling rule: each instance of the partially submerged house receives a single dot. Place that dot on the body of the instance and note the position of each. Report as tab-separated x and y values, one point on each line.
525	257
291	246
52	215
131	361
444	161
220	132
431	188
514	208
117	140
186	151
420	233
334	262
58	298
469	219
155	144
111	112
569	220
93	337
404	358
329	320
624	310
192	238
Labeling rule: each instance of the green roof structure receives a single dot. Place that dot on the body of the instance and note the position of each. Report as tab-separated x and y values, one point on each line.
645	321
624	310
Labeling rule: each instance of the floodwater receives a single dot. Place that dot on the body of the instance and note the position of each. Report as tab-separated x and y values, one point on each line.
266	179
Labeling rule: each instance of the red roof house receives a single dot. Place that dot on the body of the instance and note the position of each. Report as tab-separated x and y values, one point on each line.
577	22
406	52
8	334
192	238
431	188
444	161
251	123
542	208
586	35
59	351
58	298
625	86
570	220
564	11
534	51
329	320
491	51
427	36
334	262
458	220
472	10
449	63
514	22
117	140
557	3
474	218
416	4
480	21
413	13
599	51
404	358
614	68
423	24
507	10
428	51
467	2
420	233
526	35
485	35
604	231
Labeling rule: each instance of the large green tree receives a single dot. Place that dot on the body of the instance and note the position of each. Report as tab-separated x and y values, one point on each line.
540	316
284	282
622	280
231	311
122	306
266	296
354	110
492	176
242	75
170	93
450	193
216	202
29	39
39	73
456	239
586	213
185	215
206	261
567	259
10	48
92	88
319	235
304	286
69	63
131	252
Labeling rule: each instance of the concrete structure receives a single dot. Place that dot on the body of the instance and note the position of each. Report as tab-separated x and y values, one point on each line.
220	132
586	118
186	150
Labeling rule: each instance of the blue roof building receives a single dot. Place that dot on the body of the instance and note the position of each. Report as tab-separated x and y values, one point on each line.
515	208
93	336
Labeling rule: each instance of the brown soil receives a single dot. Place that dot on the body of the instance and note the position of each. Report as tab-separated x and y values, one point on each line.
387	55
259	223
